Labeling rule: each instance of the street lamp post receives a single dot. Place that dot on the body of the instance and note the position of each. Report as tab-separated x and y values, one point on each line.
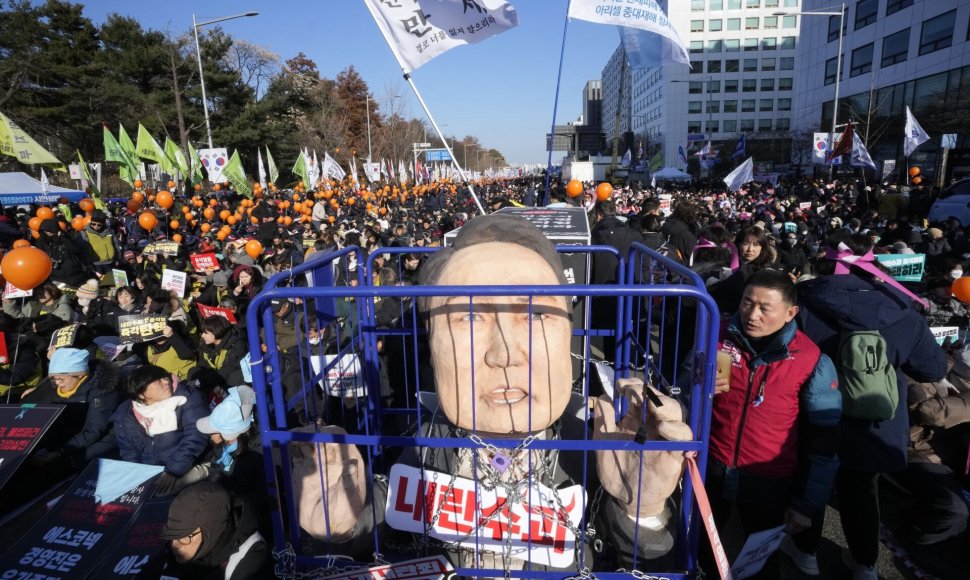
198	54
838	68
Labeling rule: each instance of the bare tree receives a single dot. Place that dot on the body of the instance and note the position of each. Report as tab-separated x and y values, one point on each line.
256	64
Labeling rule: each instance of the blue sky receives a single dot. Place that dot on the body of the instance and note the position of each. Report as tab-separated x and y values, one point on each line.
501	90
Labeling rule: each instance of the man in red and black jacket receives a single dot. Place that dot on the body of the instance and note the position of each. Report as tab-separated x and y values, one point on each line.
775	420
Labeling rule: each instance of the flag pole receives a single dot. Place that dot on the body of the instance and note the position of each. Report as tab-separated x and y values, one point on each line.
555	106
461	172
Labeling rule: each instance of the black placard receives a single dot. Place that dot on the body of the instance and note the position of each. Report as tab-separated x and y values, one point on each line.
21	427
141	552
134	328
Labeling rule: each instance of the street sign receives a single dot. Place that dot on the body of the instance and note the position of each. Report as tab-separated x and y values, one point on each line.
437	155
422	145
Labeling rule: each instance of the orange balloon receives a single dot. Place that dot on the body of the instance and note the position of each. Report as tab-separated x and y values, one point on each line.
174	224
133	205
961	289
917	180
254	249
138	196
205	228
77	223
914	171
604	191
147	220
351	201
232	220
224	214
216	187
197	187
186	210
331	219
574	188
171	184
44	213
86	204
177	238
255	220
26	268
87	220
209	213
21	244
164	199
213	203
287	221
138	183
222	235
34	223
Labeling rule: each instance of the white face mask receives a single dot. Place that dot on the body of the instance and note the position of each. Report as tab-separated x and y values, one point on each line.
315	341
954	274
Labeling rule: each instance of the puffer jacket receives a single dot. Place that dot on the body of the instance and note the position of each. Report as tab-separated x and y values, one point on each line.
832	304
176	450
224	358
935	410
780	418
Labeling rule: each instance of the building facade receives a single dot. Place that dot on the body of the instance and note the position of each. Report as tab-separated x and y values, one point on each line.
895	53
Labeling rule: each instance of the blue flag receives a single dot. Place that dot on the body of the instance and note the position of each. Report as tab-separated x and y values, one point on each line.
682	154
739	151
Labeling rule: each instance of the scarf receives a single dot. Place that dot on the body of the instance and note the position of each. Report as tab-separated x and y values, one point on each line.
160	417
845	259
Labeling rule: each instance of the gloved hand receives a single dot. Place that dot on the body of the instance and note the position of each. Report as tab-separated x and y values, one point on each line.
165	485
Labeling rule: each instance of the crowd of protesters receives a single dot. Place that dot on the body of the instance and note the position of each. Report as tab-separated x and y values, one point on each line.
181	401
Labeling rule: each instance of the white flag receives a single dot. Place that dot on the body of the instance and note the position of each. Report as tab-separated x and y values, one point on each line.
915	135
648	15
627	158
645	49
45	185
742	174
705	151
353	169
860	155
260	168
419	30
331	169
312	170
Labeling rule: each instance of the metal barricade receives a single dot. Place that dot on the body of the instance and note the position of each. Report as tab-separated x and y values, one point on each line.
374	381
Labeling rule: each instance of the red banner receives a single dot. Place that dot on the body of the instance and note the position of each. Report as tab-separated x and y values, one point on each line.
203	262
208	311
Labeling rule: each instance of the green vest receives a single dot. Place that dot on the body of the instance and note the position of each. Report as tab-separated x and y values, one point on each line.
169	360
103	246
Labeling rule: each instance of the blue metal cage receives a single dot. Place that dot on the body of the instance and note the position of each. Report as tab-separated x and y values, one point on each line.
664	326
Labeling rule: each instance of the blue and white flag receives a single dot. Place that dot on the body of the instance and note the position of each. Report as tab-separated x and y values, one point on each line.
860	155
682	154
915	135
647	16
419	30
645	49
742	174
740	151
627	158
705	151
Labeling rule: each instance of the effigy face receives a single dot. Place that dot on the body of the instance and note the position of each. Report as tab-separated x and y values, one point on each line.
501	363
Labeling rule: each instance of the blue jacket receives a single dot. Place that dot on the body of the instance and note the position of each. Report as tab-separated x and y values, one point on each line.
176	450
831	304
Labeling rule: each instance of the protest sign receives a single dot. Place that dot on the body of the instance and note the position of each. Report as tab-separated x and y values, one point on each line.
10	292
342	377
134	328
175	281
73	538
941	332
805	205
207	311
121	278
141	553
904	267
429	568
161	247
756	550
4	357
64	337
21	427
203	262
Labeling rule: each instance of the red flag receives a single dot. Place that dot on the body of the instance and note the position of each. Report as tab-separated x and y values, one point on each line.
844	145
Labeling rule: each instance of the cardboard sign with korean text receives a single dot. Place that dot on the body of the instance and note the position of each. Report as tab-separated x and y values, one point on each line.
203	262
536	527
135	328
904	267
121	278
162	247
207	311
430	568
175	281
73	538
141	552
10	292
64	337
343	377
21	427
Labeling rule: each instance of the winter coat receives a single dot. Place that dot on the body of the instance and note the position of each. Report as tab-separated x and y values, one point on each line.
176	450
69	257
611	231
832	304
680	238
84	430
33	308
939	413
223	358
780	418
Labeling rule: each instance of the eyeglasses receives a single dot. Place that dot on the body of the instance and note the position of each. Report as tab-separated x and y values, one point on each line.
188	539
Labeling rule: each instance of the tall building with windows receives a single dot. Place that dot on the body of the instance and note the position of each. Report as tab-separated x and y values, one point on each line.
742	80
896	53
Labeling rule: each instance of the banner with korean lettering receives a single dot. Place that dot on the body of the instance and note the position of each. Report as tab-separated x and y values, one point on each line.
64	337
207	311
419	30
21	427
135	328
203	262
646	15
175	281
74	537
904	267
141	551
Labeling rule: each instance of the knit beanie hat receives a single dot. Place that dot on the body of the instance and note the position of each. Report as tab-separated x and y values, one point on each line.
69	361
88	290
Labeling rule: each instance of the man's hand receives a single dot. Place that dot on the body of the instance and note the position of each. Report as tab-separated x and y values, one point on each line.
656	472
330	487
722	384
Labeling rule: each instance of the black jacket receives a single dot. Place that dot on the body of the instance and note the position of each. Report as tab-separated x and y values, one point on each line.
223	360
611	231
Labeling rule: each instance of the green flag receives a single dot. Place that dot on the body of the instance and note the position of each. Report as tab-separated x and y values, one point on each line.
176	157
274	173
147	148
17	143
95	194
114	152
195	165
300	169
657	161
233	171
129	148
